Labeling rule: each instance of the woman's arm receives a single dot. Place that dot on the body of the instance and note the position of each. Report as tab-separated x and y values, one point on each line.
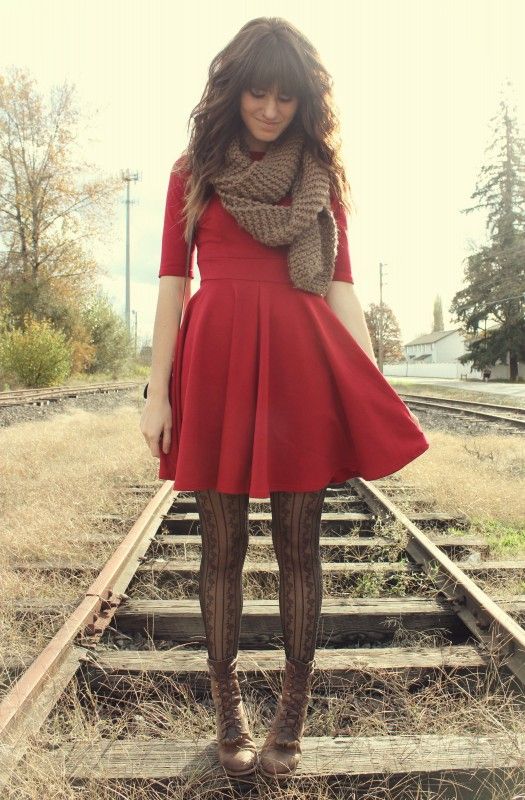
156	421
341	296
344	302
165	331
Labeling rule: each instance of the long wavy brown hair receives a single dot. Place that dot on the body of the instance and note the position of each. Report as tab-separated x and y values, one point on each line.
267	52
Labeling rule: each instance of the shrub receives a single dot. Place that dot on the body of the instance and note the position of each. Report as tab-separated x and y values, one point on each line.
35	355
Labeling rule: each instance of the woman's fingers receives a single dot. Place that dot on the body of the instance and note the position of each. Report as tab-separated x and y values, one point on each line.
160	440
154	446
156	426
166	440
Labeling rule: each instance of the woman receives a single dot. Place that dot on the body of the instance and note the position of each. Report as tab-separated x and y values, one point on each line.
274	389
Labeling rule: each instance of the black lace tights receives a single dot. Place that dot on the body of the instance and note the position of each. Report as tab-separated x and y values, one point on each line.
296	521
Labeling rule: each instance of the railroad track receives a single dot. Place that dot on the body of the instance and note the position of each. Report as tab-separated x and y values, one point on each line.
53	394
490	412
364	533
509	416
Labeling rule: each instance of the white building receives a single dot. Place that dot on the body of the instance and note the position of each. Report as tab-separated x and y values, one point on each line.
435	355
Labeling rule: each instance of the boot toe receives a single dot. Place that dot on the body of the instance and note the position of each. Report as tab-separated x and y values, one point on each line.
276	762
239	763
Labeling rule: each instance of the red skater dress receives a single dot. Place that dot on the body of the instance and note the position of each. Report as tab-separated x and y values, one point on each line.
269	390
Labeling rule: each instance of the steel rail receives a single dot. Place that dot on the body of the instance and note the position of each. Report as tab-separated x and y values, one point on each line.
500	634
491	413
27	705
58	661
455	401
20	397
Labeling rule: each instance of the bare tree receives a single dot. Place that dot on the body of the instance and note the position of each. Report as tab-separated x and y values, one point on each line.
392	344
52	202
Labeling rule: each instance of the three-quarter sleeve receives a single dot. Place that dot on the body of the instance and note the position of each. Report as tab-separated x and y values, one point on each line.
174	246
343	265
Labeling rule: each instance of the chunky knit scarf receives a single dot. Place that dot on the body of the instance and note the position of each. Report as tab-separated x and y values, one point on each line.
249	190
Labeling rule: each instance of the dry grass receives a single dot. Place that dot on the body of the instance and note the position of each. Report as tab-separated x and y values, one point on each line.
61	471
389	704
57	473
480	476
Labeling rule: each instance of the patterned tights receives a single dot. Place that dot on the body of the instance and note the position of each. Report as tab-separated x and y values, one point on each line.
296	521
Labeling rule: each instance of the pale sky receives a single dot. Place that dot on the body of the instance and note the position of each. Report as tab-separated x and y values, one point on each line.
416	81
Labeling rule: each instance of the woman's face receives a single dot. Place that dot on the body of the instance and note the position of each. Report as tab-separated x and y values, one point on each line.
259	107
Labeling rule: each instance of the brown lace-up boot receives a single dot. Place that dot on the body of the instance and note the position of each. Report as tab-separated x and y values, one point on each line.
237	750
281	750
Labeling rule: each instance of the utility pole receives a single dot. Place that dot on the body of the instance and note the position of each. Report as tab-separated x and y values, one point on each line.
381	342
127	176
136	317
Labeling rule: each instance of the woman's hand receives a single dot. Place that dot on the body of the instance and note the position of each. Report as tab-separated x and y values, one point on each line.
414	418
156	422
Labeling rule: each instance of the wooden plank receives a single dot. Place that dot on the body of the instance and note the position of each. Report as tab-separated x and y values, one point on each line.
190	569
323	755
359	544
342	665
333	499
355	664
341	621
52	606
331	518
329	502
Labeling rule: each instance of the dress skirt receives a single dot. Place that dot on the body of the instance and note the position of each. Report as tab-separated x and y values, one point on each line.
270	392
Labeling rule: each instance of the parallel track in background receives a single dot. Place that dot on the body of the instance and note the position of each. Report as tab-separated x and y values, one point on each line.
355	646
513	416
509	416
53	394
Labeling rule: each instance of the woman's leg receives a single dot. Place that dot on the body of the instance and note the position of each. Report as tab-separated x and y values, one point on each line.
224	523
296	523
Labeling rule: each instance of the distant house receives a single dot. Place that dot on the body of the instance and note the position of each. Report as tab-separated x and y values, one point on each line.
436	348
436	355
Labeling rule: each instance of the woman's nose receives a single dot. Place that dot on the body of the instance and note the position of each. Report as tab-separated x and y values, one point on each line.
270	108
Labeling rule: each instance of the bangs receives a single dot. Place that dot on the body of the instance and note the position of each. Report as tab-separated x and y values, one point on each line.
274	66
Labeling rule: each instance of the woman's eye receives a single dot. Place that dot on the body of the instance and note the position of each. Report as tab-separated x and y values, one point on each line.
259	93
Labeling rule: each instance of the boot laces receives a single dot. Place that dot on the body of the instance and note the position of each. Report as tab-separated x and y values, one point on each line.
291	710
230	723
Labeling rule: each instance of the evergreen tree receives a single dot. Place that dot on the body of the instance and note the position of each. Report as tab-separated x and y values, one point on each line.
495	275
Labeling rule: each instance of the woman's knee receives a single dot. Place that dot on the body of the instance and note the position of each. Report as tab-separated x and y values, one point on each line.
224	526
